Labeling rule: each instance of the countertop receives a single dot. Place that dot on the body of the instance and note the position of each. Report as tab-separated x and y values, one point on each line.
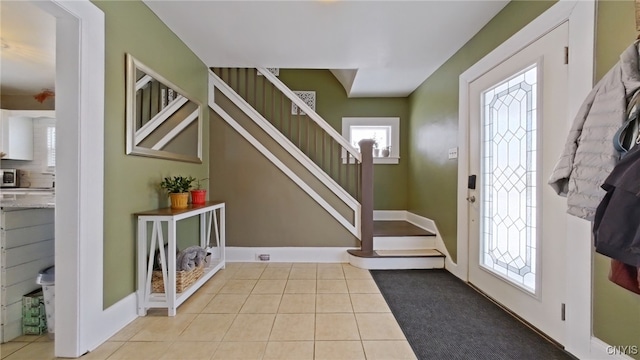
27	198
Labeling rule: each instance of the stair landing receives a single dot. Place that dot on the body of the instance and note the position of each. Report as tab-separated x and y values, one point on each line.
399	245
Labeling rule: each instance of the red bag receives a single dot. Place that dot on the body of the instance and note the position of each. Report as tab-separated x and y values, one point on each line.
625	275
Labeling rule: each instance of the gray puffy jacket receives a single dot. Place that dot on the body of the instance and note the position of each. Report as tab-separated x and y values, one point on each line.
588	155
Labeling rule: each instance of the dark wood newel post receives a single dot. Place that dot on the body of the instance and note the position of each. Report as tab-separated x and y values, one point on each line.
366	202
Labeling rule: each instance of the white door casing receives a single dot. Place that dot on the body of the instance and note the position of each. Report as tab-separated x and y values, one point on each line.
516	232
81	322
578	266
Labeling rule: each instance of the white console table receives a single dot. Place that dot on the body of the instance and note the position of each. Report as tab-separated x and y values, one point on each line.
154	219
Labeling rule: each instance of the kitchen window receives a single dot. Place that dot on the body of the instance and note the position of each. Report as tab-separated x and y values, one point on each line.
51	146
385	131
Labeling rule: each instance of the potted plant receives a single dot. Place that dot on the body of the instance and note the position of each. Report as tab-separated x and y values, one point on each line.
198	195
376	151
178	189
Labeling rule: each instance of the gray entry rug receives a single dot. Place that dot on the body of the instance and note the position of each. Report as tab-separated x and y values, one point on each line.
444	318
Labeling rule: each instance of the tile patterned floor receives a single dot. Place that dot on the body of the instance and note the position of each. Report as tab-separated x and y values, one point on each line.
258	311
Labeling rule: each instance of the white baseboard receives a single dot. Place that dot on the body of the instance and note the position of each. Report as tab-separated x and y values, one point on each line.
288	254
113	319
389	215
602	350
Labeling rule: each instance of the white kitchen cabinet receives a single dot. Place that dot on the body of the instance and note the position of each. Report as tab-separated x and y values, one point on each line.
26	247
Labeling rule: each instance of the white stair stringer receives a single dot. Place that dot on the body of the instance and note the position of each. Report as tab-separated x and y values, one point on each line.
279	137
295	178
216	83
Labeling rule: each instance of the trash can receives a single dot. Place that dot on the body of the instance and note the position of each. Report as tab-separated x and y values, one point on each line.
47	278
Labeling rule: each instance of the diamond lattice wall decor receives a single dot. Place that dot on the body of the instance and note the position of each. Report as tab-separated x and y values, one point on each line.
274	71
309	97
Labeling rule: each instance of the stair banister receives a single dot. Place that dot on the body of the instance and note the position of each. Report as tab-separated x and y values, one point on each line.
274	133
366	201
361	201
226	90
311	113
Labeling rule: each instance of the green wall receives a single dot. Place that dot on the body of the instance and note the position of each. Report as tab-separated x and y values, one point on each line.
424	171
130	182
433	129
616	311
332	103
265	208
433	124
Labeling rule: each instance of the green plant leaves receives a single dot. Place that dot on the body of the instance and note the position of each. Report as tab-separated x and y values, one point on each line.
177	184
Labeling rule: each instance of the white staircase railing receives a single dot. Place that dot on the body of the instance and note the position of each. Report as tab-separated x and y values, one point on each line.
311	114
348	158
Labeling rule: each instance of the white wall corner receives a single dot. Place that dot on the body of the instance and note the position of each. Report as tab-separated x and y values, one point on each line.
79	103
116	317
346	77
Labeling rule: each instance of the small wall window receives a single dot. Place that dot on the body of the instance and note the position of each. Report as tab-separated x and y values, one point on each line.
384	130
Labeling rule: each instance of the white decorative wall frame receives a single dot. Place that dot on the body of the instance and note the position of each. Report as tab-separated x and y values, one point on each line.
309	97
173	131
274	71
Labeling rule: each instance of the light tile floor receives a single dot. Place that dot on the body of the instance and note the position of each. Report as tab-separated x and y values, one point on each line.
258	311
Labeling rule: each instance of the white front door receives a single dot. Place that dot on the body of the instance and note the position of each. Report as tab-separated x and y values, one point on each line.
517	234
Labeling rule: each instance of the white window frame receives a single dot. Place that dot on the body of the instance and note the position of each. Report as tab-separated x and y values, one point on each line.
393	122
51	146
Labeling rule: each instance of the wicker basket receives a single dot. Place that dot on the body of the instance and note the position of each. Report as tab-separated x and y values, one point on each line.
184	279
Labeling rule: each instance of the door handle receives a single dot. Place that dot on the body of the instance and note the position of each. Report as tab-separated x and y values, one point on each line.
471	199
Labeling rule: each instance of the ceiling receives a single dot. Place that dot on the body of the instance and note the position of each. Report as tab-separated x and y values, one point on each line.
374	48
27	52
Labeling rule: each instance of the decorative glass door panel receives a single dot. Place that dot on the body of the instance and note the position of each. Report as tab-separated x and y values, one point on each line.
517	224
508	169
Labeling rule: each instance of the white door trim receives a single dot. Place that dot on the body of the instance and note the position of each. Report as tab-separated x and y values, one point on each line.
581	17
81	322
